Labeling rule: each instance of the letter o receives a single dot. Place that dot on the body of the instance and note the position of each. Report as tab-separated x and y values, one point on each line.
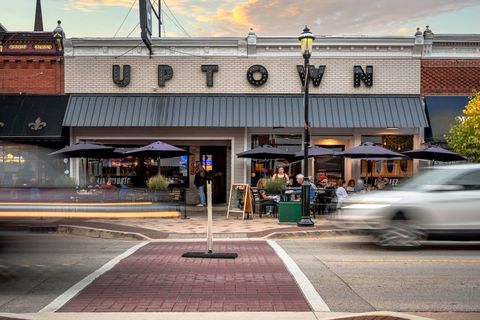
254	69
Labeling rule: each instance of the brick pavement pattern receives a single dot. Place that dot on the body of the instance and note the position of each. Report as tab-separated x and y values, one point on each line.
157	279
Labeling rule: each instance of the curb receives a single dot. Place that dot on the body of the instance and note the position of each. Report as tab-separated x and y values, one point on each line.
380	315
101	233
311	234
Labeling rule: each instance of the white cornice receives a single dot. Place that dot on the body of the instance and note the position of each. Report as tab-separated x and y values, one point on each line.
231	46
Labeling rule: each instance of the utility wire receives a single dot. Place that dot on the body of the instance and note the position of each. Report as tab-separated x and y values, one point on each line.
129	10
138	45
134	28
173	15
173	21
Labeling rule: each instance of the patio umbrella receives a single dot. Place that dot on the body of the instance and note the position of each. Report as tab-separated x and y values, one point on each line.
266	153
434	153
315	151
370	152
85	150
157	150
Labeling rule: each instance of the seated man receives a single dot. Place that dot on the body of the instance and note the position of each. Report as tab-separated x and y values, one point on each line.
300	178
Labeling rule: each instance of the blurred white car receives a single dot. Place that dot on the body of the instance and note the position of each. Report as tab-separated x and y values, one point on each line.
442	203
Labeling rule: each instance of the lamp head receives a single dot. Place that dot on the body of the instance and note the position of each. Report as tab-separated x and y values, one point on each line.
306	42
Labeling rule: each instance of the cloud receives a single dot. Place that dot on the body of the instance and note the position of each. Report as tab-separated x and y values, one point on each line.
328	17
94	5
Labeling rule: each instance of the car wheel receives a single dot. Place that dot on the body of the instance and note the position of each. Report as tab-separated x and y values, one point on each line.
400	233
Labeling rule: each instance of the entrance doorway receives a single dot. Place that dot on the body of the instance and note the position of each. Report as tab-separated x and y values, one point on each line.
214	160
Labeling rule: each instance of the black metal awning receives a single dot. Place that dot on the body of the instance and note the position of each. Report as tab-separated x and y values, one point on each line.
345	111
25	117
441	112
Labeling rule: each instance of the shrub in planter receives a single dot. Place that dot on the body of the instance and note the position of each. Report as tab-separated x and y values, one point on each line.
158	182
274	186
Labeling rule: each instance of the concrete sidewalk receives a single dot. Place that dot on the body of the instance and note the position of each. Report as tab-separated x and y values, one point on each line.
172	228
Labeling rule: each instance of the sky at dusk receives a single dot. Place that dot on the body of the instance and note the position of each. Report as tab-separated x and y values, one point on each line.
103	18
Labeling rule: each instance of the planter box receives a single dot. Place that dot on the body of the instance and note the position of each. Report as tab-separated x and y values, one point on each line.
289	211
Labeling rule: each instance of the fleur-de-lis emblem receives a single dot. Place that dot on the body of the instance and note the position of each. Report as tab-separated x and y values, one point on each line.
37	125
2	124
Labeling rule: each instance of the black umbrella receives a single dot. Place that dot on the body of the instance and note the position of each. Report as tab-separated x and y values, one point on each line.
85	150
434	153
158	150
266	153
370	152
315	151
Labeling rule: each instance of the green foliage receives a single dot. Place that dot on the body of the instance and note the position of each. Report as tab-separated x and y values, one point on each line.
464	136
274	186
158	182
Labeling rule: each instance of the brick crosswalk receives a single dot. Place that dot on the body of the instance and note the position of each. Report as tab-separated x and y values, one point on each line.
157	279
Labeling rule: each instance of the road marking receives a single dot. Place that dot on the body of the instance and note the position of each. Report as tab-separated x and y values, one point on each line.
404	261
314	299
61	300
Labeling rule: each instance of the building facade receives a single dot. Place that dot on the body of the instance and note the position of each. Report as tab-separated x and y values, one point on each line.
217	97
32	106
450	75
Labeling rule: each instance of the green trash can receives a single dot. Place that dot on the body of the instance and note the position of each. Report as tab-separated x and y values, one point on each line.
289	211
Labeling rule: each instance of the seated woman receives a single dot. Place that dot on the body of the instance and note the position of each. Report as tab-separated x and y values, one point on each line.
351	186
264	197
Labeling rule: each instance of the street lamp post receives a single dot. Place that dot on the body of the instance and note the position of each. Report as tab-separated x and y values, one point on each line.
306	41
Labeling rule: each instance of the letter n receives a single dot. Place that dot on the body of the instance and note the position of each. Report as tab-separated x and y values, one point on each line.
360	76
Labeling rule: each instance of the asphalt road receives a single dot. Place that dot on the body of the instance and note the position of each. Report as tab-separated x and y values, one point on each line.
36	268
353	275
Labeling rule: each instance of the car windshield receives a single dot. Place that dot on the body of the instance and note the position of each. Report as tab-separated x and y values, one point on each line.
430	177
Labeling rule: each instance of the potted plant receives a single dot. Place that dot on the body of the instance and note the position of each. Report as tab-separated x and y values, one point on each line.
274	186
158	185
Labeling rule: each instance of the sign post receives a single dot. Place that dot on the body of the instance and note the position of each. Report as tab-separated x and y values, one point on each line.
210	254
240	200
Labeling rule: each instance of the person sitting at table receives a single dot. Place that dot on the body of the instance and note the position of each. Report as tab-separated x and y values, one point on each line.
92	183
263	196
351	186
312	195
359	186
108	185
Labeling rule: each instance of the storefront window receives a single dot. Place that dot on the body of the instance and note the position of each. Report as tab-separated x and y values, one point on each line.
330	167
390	169
134	171
265	168
28	165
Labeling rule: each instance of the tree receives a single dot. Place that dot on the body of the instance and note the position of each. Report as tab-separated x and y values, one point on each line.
464	136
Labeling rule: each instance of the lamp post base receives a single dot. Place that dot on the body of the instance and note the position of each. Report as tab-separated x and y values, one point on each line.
305	222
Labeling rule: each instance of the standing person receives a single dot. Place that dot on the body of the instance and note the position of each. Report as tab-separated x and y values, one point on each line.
341	193
199	182
281	175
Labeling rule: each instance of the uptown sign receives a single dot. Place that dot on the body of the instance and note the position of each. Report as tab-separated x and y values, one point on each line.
257	75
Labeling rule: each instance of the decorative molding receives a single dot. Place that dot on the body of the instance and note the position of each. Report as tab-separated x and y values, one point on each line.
38	124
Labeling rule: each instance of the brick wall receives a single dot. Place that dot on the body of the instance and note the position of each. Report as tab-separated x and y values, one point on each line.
450	77
31	74
94	75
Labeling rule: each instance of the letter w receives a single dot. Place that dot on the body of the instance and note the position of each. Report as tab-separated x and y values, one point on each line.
315	74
